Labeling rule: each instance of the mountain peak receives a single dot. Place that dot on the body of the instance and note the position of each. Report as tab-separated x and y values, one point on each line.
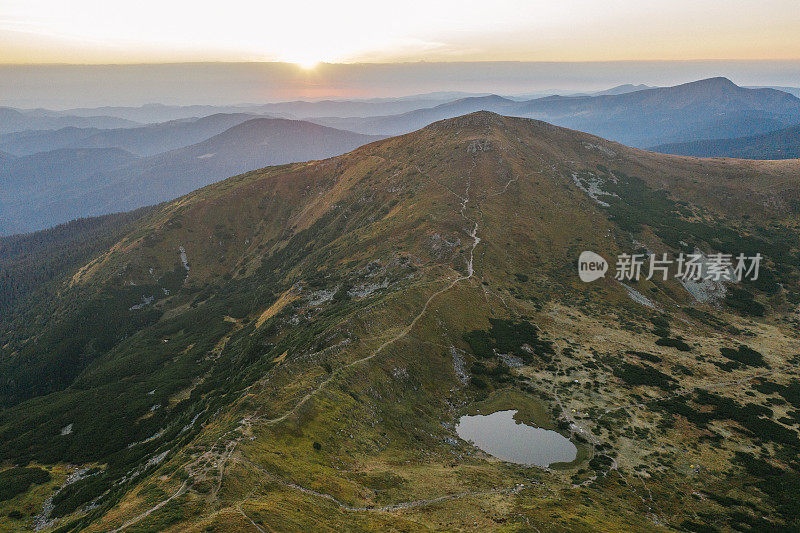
489	123
718	83
474	119
717	80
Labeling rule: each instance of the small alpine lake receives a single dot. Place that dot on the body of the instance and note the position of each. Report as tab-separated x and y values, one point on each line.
501	436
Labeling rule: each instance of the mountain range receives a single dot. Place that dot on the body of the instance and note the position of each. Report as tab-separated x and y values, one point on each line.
49	188
139	140
780	144
703	113
705	109
623	89
30	185
12	120
296	347
291	109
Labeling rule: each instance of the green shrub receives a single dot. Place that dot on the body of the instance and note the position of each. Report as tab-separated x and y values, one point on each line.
743	302
744	355
17	480
644	375
674	343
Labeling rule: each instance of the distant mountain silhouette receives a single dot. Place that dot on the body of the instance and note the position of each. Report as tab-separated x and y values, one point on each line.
414	120
684	112
21	143
710	108
623	89
29	184
151	113
791	90
46	189
781	144
143	140
247	146
12	120
196	152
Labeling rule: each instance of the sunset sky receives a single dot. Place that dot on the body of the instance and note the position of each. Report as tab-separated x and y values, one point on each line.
305	33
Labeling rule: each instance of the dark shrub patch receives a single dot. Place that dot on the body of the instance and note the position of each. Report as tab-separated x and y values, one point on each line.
17	480
743	302
674	343
520	338
480	343
600	463
644	375
478	383
782	486
744	355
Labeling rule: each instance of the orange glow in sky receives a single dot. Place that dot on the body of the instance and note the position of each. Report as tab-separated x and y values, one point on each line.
306	33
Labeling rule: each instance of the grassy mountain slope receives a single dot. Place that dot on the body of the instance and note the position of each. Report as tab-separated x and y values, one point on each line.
246	146
781	144
30	262
290	348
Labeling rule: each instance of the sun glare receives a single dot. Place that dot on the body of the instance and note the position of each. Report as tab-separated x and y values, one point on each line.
305	60
306	64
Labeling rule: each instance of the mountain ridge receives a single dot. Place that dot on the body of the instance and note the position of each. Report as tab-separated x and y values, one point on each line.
14	120
143	141
99	188
715	107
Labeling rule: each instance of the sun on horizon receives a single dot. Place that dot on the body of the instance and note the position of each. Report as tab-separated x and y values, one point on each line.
305	63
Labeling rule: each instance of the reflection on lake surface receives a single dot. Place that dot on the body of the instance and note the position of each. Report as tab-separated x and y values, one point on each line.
498	434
